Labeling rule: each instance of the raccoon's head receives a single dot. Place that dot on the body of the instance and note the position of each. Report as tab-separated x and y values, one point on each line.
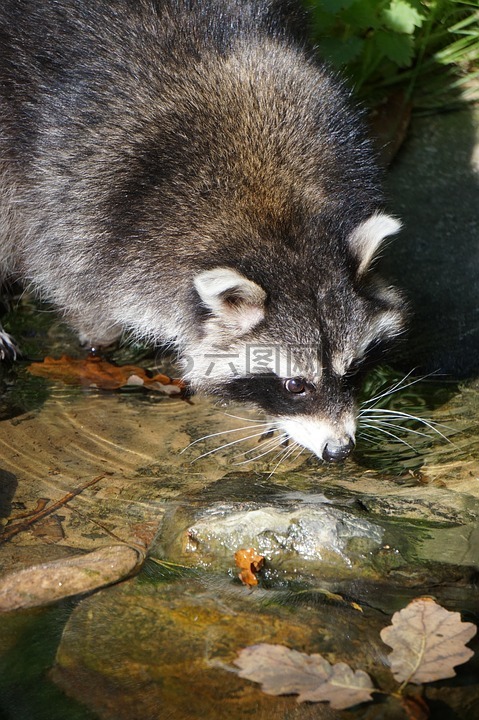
295	344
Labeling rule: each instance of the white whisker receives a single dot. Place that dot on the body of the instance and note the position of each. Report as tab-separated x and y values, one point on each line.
273	442
368	437
399	385
238	417
384	423
257	457
398	414
402	415
391	434
222	447
300	452
225	432
291	451
283	455
265	441
281	452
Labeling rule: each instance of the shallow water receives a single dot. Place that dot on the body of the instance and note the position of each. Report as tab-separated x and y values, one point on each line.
400	519
394	522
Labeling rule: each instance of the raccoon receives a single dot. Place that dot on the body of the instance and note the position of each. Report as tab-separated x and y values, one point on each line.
188	171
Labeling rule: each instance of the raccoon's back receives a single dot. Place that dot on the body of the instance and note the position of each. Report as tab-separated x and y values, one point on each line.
87	87
105	101
50	48
198	132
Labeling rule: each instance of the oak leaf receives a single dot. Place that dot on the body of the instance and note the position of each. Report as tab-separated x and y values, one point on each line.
428	641
250	563
282	671
96	372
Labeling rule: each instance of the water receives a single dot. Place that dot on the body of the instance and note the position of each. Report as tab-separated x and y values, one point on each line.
398	520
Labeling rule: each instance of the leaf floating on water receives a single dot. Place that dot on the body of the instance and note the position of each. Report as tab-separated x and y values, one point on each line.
282	671
250	563
428	641
343	688
93	371
47	582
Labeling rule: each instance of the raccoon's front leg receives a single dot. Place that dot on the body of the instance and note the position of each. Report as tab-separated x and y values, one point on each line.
95	336
8	347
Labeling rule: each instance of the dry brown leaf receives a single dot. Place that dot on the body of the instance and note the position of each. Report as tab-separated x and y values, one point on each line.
343	688
43	509
428	641
250	563
93	371
282	671
48	582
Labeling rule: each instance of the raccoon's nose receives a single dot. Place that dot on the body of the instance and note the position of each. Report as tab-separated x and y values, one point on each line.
337	450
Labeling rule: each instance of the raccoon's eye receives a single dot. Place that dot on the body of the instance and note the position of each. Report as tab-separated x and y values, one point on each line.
295	385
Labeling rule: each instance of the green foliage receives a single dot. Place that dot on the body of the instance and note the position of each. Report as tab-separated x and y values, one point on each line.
429	47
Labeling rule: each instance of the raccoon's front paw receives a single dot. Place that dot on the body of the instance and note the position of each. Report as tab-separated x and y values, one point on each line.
8	348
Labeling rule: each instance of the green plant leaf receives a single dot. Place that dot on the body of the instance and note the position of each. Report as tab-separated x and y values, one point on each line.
401	17
398	48
334	6
340	52
363	14
381	43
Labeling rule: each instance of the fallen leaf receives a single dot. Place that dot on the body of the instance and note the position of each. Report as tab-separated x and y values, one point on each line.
343	688
282	671
250	563
50	529
428	641
48	582
43	509
93	371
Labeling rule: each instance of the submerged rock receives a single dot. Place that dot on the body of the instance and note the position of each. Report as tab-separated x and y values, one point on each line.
404	537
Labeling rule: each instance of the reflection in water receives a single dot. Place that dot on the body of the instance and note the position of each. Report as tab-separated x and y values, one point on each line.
369	532
190	482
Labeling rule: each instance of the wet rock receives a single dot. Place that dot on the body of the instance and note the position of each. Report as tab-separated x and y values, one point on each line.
295	532
58	579
167	650
406	537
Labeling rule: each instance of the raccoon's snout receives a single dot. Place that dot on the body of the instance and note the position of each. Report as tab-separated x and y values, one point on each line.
332	441
337	450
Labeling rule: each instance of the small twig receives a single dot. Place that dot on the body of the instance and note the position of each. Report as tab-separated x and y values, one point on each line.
140	547
19	527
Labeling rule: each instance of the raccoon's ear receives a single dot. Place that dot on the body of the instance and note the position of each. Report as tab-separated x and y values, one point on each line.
366	238
235	301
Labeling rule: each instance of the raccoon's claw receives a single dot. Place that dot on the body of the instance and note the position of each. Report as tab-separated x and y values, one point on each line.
8	348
